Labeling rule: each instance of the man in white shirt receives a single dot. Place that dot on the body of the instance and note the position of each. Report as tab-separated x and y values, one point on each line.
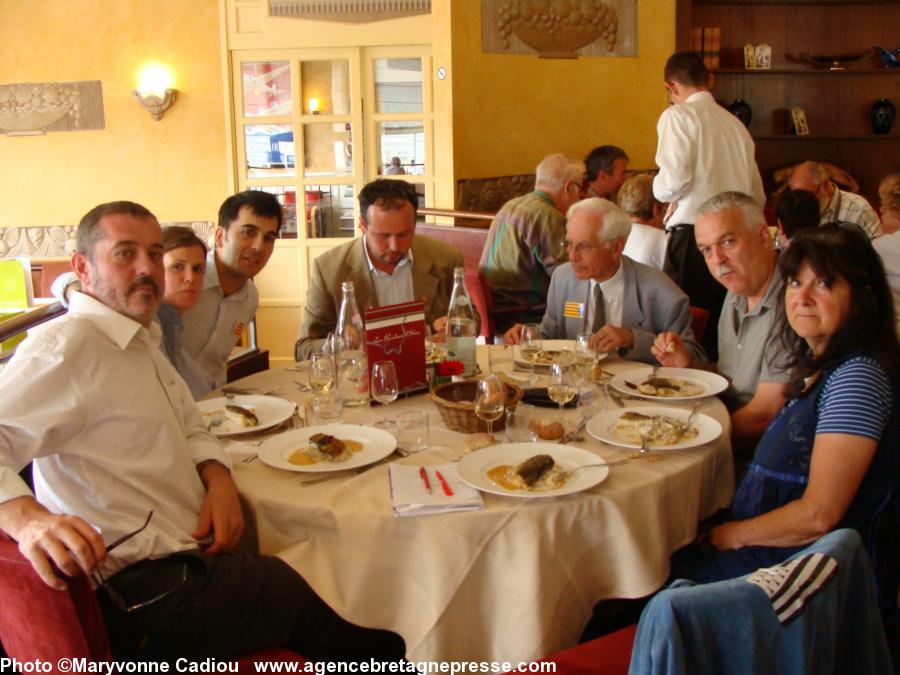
835	204
647	240
733	237
703	150
249	223
624	304
131	487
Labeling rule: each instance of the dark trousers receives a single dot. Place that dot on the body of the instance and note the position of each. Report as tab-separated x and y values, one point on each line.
686	267
227	605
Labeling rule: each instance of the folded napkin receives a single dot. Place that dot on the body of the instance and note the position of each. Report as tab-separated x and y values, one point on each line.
409	497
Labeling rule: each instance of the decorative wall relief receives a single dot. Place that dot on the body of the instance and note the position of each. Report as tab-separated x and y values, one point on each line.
356	11
38	107
58	241
560	28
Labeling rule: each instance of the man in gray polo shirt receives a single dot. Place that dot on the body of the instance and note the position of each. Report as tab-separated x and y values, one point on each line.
249	223
734	239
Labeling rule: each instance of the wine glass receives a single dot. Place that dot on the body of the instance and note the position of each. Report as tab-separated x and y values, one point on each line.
321	372
385	387
585	356
530	345
490	400
561	383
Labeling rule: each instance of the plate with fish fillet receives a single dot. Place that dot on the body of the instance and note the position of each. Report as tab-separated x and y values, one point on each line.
244	414
529	470
666	427
670	384
327	447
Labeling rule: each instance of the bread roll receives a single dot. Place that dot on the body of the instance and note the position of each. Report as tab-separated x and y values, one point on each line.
477	441
547	431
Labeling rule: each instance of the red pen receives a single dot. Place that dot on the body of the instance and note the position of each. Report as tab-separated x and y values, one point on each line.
447	489
424	475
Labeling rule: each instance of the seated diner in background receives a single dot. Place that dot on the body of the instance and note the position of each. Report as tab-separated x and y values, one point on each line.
130	486
830	458
888	244
734	240
835	205
388	264
647	240
624	304
796	210
525	241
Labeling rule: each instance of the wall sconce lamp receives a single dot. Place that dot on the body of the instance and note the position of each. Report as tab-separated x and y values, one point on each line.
155	90
314	106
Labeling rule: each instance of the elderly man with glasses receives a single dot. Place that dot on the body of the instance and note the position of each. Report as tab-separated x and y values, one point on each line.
131	487
622	303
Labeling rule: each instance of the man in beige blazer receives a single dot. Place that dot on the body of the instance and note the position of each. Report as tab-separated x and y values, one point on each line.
388	264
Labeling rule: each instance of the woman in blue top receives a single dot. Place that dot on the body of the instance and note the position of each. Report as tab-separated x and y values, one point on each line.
830	457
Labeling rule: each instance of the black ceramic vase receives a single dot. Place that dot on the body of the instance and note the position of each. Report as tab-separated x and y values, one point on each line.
883	113
743	112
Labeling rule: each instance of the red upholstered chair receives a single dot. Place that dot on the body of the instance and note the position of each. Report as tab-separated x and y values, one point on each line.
38	622
699	319
476	286
607	655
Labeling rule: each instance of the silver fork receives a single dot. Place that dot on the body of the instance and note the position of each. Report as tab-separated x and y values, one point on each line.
694	409
216	421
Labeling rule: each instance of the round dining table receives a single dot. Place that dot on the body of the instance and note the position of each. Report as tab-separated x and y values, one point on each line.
514	581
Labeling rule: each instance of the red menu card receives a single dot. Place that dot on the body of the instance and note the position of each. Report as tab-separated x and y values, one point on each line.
397	333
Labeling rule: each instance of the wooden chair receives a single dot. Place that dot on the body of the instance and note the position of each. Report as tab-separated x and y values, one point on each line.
39	622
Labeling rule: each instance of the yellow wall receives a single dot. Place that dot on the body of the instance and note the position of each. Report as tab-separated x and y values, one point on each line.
511	110
176	167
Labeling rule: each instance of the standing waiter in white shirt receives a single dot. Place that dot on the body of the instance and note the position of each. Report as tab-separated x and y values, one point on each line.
131	488
703	150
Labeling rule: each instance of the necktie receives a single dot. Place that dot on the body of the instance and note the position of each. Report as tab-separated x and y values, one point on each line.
596	311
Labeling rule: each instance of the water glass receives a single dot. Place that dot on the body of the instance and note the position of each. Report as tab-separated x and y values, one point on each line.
518	421
412	430
327	406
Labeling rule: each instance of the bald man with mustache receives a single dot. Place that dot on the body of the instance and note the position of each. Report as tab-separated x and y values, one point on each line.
733	237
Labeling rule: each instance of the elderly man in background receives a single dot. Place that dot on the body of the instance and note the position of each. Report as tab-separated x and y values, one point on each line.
703	150
888	244
388	264
131	487
647	241
624	304
605	168
525	241
834	204
249	223
734	239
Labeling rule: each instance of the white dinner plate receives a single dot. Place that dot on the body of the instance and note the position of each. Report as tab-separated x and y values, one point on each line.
377	444
548	346
712	383
270	410
600	426
473	467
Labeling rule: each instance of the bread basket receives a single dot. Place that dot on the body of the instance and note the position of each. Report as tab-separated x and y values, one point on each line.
456	403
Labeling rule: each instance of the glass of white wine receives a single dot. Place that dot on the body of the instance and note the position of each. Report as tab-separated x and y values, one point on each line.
490	400
530	345
561	384
321	372
385	387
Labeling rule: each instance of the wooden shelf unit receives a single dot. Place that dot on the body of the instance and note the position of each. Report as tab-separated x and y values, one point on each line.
837	103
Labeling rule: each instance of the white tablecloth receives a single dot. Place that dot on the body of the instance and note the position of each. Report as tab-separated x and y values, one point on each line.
514	582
